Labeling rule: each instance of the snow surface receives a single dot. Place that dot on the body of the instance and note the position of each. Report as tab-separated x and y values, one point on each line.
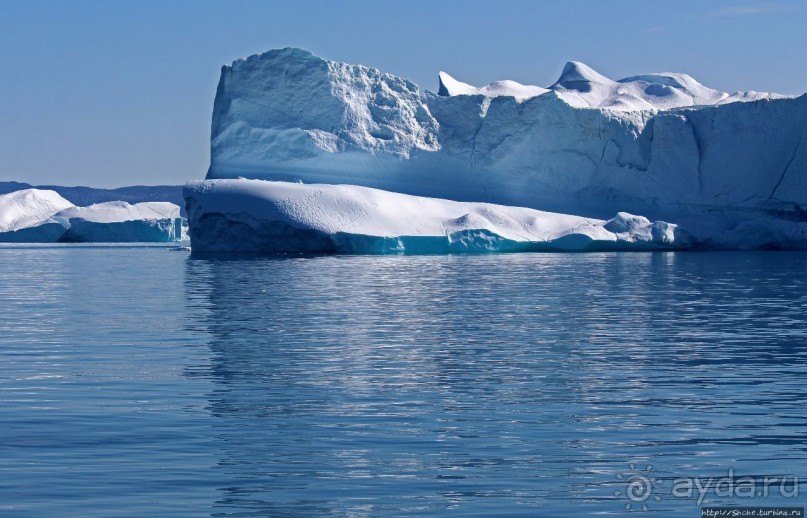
450	86
34	215
120	211
265	216
29	207
82	195
662	145
582	87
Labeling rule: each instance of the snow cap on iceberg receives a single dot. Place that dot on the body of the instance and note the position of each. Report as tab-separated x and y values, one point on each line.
577	75
29	207
581	86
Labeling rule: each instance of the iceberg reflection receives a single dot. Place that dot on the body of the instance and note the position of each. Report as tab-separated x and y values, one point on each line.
480	384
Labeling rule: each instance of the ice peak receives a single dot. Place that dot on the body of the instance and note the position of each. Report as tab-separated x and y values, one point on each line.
574	73
449	86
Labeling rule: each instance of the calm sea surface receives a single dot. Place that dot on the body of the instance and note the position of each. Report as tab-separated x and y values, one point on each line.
143	381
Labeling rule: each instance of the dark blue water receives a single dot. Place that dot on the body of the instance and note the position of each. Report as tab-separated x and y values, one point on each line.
140	381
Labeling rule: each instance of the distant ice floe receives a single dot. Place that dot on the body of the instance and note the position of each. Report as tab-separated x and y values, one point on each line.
43	216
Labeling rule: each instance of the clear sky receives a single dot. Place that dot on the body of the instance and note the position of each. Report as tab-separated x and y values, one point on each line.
110	93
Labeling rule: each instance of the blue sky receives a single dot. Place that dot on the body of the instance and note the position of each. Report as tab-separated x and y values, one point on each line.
110	93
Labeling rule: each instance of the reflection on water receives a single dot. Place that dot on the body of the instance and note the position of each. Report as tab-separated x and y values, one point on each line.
498	384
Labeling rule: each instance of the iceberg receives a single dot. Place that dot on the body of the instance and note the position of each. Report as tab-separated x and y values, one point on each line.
661	145
121	222
280	217
43	216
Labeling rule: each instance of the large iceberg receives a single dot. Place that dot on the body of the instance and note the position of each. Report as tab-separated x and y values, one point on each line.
43	216
662	145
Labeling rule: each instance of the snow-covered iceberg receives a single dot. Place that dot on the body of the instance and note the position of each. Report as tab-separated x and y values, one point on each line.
279	217
661	145
42	216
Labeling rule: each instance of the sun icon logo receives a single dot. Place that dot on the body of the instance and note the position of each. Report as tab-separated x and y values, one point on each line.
639	486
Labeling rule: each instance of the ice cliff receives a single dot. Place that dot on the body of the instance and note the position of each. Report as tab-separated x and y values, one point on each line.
662	145
42	216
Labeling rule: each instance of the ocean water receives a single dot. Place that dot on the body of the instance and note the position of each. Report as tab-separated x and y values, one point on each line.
143	381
